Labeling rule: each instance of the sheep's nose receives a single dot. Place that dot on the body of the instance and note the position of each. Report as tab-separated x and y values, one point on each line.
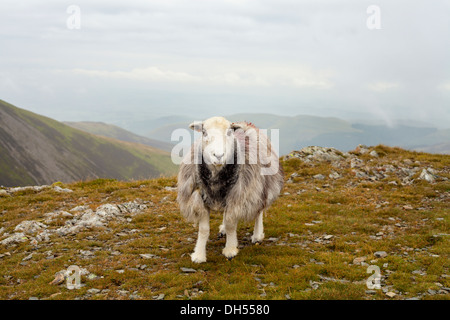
218	156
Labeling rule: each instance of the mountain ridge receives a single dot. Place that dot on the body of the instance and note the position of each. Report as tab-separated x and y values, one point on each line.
38	149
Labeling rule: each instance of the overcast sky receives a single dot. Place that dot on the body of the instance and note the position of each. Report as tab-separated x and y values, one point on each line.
142	59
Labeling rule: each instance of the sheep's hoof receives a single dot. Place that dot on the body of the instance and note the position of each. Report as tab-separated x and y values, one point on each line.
230	253
198	258
257	239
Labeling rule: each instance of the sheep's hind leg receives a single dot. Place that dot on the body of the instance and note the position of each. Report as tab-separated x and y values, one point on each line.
258	231
199	254
230	250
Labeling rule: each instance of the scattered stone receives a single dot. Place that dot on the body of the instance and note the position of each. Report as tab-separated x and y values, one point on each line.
64	190
361	149
6	254
159	297
380	254
59	278
315	153
391	294
28	257
427	175
359	260
319	176
148	255
188	270
14	239
30	227
334	175
93	291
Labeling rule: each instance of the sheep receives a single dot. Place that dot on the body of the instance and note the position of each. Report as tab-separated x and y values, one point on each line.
232	168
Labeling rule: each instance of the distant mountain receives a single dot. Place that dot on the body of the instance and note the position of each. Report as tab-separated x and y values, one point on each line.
303	130
38	150
112	131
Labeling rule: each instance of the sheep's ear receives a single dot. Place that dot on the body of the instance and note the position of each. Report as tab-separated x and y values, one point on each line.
196	126
237	125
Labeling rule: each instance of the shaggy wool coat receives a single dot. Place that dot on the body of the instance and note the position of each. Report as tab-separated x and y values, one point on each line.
241	189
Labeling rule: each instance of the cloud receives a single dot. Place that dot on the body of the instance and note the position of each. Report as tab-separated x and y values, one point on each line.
256	76
383	86
290	56
139	74
445	86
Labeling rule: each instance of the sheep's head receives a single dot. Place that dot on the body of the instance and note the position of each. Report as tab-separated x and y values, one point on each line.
217	140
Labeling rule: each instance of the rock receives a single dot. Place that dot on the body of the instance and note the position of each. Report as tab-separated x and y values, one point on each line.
93	291
100	217
407	207
59	278
391	294
79	208
334	175
160	296
6	254
328	237
148	255
359	260
319	176
361	149
28	257
30	227
373	153
427	176
380	254
64	190
86	253
419	272
14	239
315	153
188	270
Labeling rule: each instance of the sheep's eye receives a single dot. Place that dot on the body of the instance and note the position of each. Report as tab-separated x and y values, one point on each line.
204	133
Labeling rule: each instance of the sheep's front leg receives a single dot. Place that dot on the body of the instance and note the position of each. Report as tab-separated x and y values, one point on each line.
258	231
230	250
222	229
199	254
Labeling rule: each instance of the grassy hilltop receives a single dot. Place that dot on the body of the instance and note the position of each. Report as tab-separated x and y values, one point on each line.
338	214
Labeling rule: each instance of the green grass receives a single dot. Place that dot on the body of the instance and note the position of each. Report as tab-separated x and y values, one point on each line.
296	265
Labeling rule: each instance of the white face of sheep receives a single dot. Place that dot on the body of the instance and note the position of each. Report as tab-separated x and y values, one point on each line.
217	140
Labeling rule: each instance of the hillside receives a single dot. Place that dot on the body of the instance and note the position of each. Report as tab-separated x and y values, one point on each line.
338	214
302	130
112	131
39	150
